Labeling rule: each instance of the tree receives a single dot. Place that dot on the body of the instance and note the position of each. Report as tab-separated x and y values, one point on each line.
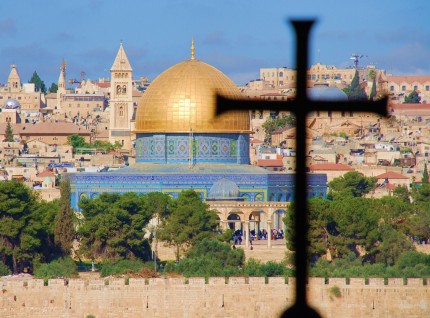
65	220
53	88
425	178
373	91
76	141
189	221
20	231
40	85
114	227
8	133
272	124
352	183
355	91
412	98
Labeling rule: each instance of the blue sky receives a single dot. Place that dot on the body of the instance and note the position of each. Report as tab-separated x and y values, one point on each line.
236	36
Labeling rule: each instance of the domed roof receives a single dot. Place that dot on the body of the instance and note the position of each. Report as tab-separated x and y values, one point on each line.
11	104
224	189
321	91
47	180
183	98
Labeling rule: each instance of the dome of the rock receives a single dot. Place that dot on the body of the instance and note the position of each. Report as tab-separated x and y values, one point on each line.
183	99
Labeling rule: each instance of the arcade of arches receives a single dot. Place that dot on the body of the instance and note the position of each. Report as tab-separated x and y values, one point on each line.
248	216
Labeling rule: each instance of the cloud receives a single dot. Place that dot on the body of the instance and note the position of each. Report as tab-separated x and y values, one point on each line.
63	37
410	59
214	38
7	27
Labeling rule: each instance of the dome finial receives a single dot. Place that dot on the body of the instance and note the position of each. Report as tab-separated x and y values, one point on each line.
192	49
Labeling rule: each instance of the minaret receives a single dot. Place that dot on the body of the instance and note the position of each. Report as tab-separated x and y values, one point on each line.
14	81
121	100
61	84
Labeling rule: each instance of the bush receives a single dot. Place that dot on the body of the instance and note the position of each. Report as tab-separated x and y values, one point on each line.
4	270
335	291
121	267
62	267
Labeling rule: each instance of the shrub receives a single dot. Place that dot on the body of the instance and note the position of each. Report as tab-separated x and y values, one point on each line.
335	291
62	267
4	270
121	267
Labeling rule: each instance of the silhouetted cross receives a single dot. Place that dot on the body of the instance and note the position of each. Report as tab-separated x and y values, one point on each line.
300	107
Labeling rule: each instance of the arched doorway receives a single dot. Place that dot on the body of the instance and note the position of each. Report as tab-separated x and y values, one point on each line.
234	222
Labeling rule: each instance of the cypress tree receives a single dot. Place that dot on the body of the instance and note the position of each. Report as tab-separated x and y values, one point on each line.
425	178
64	233
8	133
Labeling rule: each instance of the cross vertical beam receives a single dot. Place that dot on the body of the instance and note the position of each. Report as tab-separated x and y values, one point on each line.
301	106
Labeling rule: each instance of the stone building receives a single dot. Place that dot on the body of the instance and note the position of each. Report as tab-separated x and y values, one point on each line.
183	145
121	106
30	101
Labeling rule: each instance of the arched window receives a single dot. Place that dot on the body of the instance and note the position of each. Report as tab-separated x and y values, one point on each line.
118	89
124	89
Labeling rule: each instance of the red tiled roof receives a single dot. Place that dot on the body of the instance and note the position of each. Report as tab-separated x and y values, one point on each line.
103	84
256	141
330	167
270	163
46	173
408	79
391	175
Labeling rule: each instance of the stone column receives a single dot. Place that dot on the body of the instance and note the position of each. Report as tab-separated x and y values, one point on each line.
269	233
246	233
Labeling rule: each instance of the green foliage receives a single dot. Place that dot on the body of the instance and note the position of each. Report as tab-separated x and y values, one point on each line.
40	85
425	177
62	267
114	227
4	270
105	145
20	227
65	221
53	88
268	269
352	183
273	124
189	221
77	141
8	133
335	291
412	98
402	193
121	267
355	92
218	250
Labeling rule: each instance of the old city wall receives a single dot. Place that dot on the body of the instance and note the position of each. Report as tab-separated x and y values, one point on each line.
216	297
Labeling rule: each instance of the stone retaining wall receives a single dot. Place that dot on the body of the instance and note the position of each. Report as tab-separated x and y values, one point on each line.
212	297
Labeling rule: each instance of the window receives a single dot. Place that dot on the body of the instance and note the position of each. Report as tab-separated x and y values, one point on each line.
392	88
403	88
314	77
351	114
343	114
281	74
329	114
415	87
427	88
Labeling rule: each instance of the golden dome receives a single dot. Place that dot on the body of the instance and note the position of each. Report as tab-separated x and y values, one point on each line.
183	98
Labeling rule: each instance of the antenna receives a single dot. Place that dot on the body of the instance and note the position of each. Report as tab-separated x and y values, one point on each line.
356	57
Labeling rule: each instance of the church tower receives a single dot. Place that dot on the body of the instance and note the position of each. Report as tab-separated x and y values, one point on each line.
61	84
14	81
121	100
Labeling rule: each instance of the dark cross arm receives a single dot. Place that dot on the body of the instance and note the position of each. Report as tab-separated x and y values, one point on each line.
307	105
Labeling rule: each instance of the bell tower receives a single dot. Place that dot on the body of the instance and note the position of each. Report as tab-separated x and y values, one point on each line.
121	100
14	81
61	84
